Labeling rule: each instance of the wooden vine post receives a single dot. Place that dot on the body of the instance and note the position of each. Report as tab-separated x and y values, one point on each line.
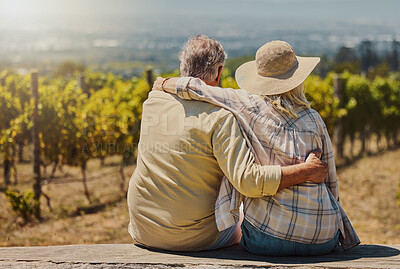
338	133
37	185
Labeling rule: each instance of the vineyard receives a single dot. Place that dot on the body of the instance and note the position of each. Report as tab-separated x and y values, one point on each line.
97	116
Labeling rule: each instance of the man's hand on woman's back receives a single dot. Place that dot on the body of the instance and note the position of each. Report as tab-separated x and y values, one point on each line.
317	168
313	169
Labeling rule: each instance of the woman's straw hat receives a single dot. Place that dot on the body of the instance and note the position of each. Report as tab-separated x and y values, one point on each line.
276	70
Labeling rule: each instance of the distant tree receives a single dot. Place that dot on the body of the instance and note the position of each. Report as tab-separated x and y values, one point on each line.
369	57
393	57
68	70
323	67
346	60
345	54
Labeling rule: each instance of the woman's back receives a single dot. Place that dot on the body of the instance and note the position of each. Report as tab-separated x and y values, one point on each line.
306	213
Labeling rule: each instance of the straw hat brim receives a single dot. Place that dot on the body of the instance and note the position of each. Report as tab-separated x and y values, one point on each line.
248	78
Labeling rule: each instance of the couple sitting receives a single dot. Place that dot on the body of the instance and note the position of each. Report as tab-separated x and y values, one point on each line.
240	166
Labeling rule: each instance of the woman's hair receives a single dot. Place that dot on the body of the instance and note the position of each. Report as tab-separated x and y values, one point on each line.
201	57
287	102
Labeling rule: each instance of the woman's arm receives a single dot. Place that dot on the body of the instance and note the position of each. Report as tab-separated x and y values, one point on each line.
195	89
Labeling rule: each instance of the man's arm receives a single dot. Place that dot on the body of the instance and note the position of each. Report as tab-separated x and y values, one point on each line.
313	170
253	180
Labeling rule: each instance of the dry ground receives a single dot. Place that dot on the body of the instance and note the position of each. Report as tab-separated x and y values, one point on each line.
69	223
368	190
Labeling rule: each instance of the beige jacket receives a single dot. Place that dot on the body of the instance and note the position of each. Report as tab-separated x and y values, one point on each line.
185	149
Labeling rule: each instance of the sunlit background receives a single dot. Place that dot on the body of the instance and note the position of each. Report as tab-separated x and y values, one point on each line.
99	32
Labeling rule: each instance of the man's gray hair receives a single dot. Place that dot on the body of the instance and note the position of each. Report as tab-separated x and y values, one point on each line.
200	57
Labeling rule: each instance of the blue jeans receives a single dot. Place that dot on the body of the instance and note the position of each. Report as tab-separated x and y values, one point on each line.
260	243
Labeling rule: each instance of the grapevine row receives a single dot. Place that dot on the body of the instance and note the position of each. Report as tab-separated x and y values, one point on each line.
103	118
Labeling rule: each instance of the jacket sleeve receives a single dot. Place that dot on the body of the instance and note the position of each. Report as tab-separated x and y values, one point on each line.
238	163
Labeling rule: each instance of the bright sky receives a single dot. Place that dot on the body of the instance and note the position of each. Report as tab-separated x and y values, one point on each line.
23	12
382	9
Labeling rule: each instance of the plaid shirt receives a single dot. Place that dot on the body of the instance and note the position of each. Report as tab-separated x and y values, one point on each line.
307	213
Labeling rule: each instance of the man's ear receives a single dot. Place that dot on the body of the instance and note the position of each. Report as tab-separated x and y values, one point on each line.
219	73
180	68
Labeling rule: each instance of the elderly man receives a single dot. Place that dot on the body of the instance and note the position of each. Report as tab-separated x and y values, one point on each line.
185	149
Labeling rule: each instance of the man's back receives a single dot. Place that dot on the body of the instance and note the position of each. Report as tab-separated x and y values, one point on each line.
173	190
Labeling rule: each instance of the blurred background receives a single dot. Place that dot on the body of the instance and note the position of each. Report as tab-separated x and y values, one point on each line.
74	75
123	36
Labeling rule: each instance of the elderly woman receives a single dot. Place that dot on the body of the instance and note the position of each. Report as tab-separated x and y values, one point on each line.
282	129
